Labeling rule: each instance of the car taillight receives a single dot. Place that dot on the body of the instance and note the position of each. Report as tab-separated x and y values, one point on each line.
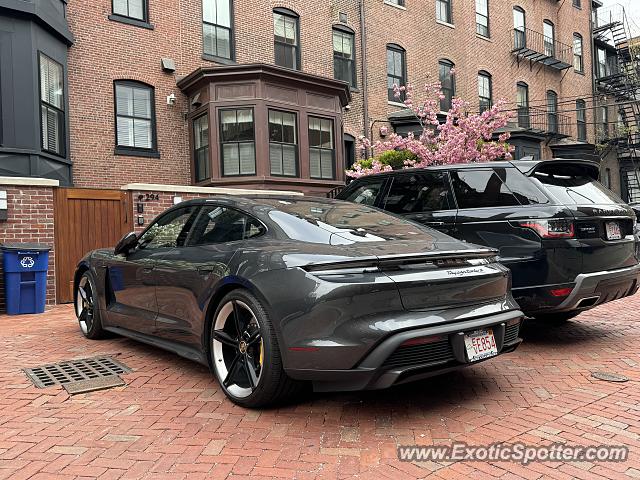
561	292
555	228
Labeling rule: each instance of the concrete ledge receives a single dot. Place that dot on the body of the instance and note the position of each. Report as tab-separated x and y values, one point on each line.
155	187
30	181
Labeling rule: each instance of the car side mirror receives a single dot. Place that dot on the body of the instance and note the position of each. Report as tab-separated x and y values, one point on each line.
126	243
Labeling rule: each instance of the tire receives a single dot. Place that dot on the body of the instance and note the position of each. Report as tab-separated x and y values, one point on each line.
558	317
85	298
248	366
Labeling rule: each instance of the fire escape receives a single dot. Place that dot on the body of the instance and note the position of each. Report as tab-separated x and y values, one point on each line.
618	79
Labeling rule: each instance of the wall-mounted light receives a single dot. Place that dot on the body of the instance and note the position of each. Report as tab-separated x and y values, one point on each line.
140	220
177	200
171	99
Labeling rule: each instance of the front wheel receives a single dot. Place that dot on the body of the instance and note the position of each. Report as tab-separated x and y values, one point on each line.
85	306
245	354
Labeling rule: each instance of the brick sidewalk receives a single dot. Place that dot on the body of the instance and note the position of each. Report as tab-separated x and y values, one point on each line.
172	420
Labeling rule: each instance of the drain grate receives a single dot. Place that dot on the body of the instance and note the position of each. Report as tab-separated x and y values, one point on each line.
75	371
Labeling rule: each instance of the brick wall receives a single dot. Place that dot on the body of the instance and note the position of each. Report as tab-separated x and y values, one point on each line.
106	50
30	220
426	41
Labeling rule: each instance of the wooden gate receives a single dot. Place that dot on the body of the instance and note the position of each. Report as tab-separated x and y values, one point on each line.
86	219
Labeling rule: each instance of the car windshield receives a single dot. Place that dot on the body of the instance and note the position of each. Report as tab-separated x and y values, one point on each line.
308	219
577	189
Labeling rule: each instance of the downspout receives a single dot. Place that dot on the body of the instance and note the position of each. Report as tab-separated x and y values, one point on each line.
363	56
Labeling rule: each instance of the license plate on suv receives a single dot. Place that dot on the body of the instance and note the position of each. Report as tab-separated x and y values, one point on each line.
613	231
480	344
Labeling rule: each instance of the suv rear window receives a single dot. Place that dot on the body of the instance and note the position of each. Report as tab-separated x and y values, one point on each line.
577	189
364	194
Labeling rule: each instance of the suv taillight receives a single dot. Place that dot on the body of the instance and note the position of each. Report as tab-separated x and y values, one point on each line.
555	228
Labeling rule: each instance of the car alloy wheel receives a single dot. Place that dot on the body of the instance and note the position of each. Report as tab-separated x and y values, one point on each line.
238	348
84	305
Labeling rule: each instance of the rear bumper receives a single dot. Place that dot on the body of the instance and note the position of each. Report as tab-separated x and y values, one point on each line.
589	290
386	364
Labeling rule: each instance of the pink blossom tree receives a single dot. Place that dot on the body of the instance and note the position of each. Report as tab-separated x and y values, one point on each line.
461	138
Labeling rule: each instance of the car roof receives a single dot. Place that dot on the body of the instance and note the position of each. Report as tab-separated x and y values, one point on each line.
522	165
253	200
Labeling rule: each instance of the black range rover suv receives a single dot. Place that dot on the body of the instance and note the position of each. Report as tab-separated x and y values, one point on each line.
568	240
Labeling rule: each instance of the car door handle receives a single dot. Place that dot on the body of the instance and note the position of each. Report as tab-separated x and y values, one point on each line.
436	224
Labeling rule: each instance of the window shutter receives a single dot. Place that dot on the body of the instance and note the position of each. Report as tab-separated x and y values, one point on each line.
275	159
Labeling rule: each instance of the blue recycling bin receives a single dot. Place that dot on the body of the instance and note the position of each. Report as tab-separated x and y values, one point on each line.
25	268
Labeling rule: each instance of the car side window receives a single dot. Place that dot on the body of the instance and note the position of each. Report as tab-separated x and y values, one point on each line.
366	194
481	189
170	230
419	192
217	224
521	186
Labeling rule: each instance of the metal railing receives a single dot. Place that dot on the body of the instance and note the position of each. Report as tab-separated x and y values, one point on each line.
544	121
537	47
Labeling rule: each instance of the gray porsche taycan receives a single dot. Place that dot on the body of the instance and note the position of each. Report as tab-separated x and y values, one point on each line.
275	293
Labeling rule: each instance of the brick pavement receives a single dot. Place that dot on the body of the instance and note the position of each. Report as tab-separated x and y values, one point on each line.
172	420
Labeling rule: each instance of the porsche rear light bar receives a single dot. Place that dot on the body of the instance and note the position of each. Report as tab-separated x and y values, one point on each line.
554	228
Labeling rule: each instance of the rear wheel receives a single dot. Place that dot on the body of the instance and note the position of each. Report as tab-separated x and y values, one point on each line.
85	306
245	354
558	317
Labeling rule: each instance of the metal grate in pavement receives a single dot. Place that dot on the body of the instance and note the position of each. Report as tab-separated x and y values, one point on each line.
75	371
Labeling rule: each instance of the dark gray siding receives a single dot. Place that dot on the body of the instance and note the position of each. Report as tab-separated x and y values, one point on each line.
27	28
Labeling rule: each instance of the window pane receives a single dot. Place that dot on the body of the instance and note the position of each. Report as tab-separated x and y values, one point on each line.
314	131
51	85
142	133
209	11
326	159
141	102
522	188
289	160
223	42
136	9
314	163
418	193
231	161
201	131
169	231
481	188
52	125
120	7
247	158
124	100
125	131
366	194
218	225
223	13
275	158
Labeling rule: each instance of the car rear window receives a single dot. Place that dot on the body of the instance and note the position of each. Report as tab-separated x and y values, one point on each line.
305	219
577	189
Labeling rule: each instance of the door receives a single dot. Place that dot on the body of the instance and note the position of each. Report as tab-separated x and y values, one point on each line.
132	277
423	197
491	202
85	219
188	275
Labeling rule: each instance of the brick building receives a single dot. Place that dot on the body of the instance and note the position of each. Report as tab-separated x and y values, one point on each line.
131	116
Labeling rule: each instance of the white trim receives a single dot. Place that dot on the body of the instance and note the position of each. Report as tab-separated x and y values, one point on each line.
396	104
156	187
446	24
30	181
400	7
